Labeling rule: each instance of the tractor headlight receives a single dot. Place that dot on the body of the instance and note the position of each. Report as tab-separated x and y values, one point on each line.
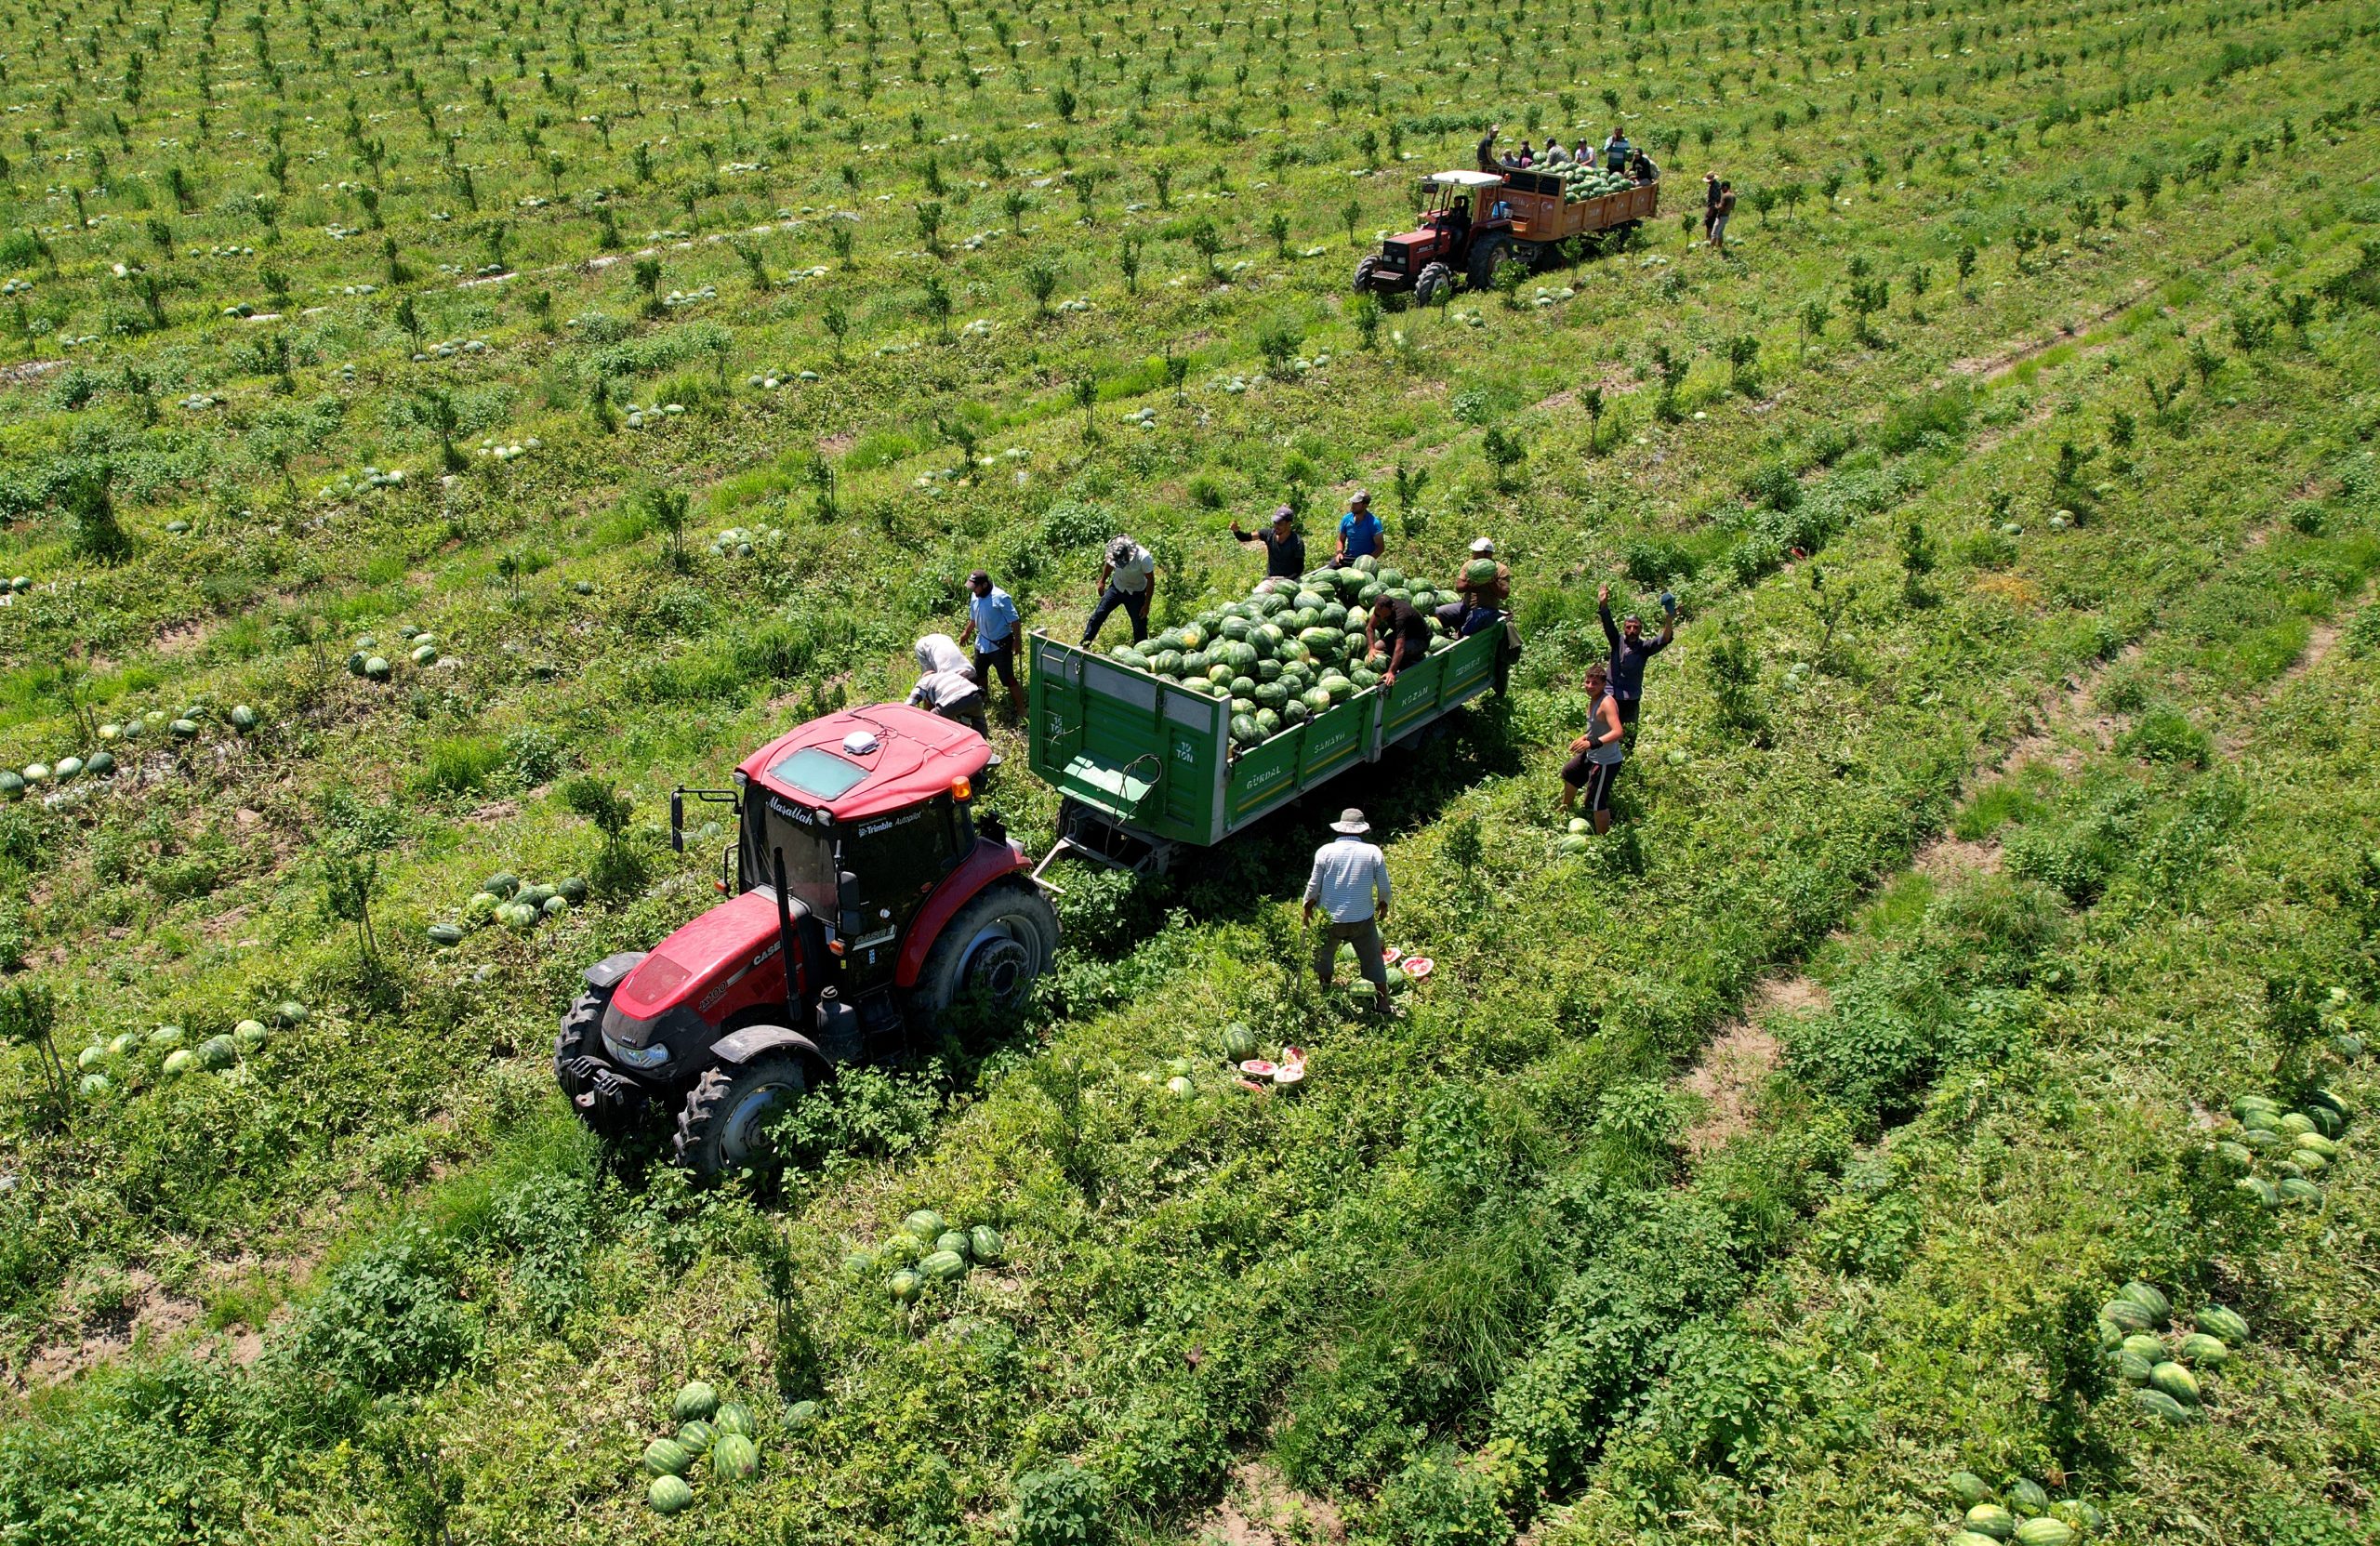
637	1057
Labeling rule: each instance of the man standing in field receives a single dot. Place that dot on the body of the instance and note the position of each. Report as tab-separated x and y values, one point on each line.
1488	150
1126	580
1596	757
1710	203
1630	650
991	625
1350	882
1727	207
1284	548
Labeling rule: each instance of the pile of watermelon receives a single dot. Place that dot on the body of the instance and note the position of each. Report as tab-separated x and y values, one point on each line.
2162	1364
505	898
114	735
2025	1515
927	1251
718	1434
1243	1057
169	1051
1291	652
367	661
2285	1155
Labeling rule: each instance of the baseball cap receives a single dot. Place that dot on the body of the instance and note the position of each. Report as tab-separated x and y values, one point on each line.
1482	545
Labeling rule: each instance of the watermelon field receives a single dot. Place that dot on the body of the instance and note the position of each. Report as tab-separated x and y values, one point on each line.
1935	1112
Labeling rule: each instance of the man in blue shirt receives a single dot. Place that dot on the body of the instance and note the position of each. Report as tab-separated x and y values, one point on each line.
1361	533
991	623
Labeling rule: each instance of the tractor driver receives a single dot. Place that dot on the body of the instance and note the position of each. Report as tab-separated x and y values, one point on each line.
1458	226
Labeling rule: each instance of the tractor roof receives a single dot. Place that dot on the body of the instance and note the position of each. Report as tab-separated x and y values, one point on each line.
868	760
1465	179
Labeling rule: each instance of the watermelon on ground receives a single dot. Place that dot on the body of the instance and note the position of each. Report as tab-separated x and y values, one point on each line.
735	1458
694	1400
669	1494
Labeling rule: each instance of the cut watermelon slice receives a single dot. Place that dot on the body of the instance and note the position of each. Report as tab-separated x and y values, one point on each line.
1418	967
1391	956
1288	1075
1257	1066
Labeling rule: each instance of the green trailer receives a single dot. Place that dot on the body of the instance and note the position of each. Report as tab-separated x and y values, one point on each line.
1146	767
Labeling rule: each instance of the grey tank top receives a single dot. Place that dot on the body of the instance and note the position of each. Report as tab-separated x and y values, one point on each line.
1610	753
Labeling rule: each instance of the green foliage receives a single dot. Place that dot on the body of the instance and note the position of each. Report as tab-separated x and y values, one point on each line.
1435	1501
1064	1505
386	1320
461	765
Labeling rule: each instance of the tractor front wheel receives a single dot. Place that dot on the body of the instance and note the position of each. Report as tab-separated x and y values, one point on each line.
989	953
1436	282
580	1040
1364	271
723	1124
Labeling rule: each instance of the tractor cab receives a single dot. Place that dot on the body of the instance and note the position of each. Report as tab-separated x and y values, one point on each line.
1454	207
868	811
865	901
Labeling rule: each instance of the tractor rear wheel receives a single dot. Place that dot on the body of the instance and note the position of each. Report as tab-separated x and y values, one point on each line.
723	1124
989	953
1364	270
1435	284
1486	259
582	1038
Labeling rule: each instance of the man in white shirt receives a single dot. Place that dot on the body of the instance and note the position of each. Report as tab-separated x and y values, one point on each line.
1126	580
946	683
1350	882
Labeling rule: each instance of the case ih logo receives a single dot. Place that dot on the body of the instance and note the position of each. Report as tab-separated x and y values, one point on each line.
715	995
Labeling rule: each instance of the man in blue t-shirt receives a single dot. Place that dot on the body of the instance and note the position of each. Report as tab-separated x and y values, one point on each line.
1361	533
991	627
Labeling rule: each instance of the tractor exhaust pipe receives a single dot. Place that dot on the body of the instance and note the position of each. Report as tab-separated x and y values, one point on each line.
784	939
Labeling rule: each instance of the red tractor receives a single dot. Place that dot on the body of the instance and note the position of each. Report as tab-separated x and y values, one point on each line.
866	900
1458	234
1473	223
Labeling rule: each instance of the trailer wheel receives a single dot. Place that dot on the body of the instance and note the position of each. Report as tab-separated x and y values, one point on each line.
1435	284
989	953
1364	270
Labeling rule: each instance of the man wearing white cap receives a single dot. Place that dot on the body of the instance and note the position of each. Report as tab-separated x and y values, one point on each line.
1485	588
1350	882
1126	580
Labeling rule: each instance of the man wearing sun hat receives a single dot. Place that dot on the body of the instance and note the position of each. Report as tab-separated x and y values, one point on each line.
1350	882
